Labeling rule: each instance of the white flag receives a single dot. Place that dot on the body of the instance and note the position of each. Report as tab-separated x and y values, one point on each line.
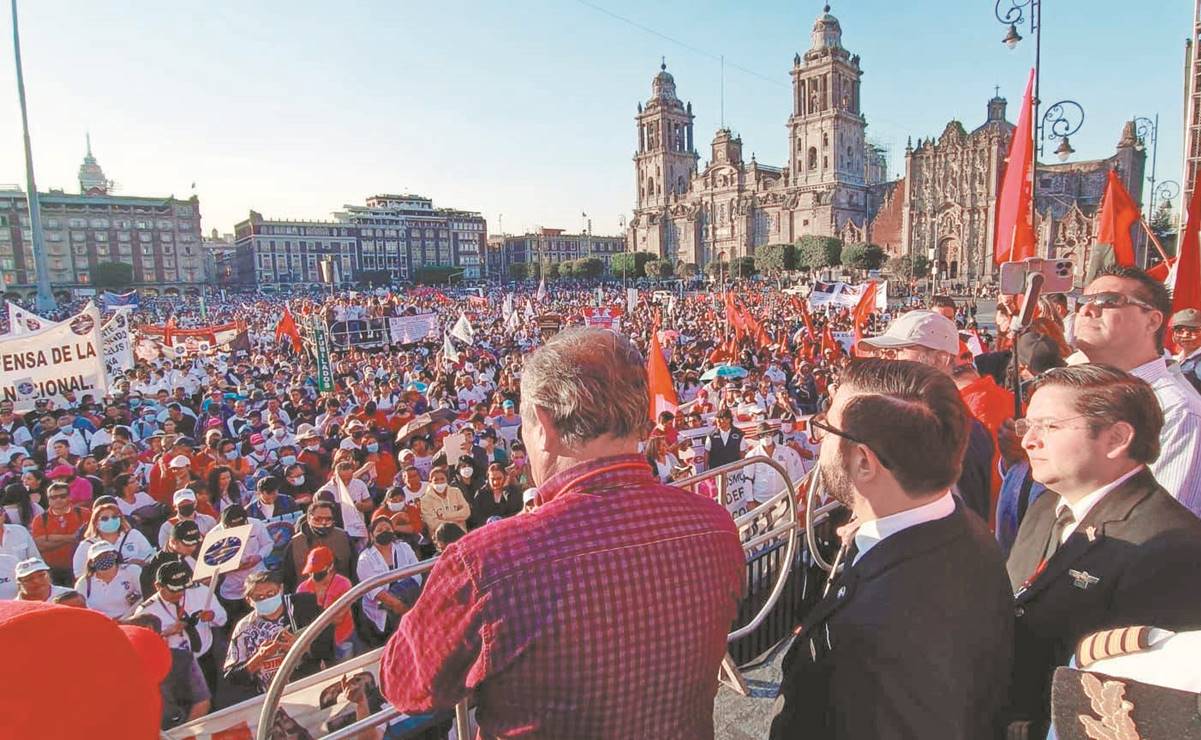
541	294
513	323
529	310
22	322
449	353
631	300
462	330
507	307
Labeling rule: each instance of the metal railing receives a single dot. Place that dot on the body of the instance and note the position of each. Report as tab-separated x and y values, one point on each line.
789	526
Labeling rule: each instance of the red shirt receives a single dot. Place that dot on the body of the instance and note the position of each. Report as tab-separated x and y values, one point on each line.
338	586
50	523
602	614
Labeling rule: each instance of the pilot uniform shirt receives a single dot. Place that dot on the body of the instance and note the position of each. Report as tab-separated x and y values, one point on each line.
117	598
171	614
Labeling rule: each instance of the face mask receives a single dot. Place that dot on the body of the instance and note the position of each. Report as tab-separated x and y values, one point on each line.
297	481
322	531
288	459
186	510
384	538
259	448
109	526
279	433
231	455
396	505
373	447
105	561
465	473
439	487
519	461
314	446
269	605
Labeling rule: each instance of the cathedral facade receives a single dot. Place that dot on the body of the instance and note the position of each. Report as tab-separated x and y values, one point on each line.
834	181
733	205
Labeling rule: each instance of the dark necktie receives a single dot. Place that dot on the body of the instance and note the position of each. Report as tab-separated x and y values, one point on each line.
1063	520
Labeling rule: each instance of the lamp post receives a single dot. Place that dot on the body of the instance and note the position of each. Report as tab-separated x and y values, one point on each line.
1145	129
1059	122
45	299
625	247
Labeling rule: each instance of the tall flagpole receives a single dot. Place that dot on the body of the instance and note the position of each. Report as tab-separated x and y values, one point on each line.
45	299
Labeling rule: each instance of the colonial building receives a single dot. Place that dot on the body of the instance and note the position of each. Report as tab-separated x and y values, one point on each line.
547	246
731	206
397	234
947	200
159	238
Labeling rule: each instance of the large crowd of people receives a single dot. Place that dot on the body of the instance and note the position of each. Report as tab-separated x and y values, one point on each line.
504	439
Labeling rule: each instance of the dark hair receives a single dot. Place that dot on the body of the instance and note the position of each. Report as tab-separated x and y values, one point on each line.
448	532
1149	290
269	484
261	576
322	504
1106	396
943	301
910	415
725	414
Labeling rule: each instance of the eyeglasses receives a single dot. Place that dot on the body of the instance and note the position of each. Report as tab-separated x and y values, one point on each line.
1022	427
1111	299
263	597
818	428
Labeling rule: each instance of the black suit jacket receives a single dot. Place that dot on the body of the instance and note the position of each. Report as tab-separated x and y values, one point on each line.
913	641
975	480
1134	560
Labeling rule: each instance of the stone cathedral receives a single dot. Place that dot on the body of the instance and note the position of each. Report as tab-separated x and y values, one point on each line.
834	183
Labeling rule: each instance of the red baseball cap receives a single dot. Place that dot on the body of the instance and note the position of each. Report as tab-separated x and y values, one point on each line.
320	558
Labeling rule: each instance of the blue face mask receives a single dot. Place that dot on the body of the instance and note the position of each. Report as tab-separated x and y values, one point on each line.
269	605
288	459
108	526
373	447
231	455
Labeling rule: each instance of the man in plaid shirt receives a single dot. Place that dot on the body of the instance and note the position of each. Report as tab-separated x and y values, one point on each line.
602	614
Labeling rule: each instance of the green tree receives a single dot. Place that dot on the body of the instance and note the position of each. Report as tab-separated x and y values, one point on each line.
589	268
112	275
921	266
552	270
817	252
1164	227
743	267
567	269
518	271
658	269
688	269
433	274
773	259
631	264
900	267
374	278
863	256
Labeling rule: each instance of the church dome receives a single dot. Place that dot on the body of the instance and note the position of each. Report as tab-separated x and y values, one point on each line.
664	85
827	32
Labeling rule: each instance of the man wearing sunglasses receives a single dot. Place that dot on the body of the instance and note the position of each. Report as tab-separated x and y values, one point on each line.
1186	332
1120	321
913	636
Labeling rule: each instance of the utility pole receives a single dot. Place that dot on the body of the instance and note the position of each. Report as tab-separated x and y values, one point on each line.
45	300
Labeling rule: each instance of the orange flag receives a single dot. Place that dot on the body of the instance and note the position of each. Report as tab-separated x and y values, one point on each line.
662	391
1187	292
863	309
804	309
287	328
1014	239
1118	213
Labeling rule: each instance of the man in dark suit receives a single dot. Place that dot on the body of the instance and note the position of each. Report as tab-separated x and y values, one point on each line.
913	637
1105	546
725	444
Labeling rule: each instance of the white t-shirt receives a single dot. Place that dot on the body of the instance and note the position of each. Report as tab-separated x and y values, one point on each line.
371	563
204	521
132	544
117	598
18	543
140	499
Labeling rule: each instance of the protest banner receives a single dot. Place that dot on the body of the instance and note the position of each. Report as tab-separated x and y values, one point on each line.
603	317
110	301
409	329
845	295
118	346
21	321
50	363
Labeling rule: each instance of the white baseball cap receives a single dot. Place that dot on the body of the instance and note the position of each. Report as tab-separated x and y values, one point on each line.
98	548
179	461
922	328
30	566
183	494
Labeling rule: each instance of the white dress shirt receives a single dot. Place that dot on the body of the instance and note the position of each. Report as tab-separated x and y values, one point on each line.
876	531
1081	508
1178	468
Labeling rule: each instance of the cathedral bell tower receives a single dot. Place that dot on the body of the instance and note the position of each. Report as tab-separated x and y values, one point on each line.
665	161
826	129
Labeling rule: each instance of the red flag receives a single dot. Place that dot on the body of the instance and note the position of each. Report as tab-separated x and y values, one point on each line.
1118	213
169	331
1187	293
1014	239
830	343
662	391
1162	270
287	328
863	309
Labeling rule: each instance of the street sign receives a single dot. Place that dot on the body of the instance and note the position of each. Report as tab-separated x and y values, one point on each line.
325	370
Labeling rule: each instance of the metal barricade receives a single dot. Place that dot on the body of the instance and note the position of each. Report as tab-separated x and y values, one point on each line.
789	528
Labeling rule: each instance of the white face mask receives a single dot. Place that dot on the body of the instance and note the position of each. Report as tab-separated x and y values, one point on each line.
396	506
465	473
439	487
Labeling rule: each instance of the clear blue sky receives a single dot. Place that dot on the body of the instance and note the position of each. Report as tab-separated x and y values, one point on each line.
522	108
